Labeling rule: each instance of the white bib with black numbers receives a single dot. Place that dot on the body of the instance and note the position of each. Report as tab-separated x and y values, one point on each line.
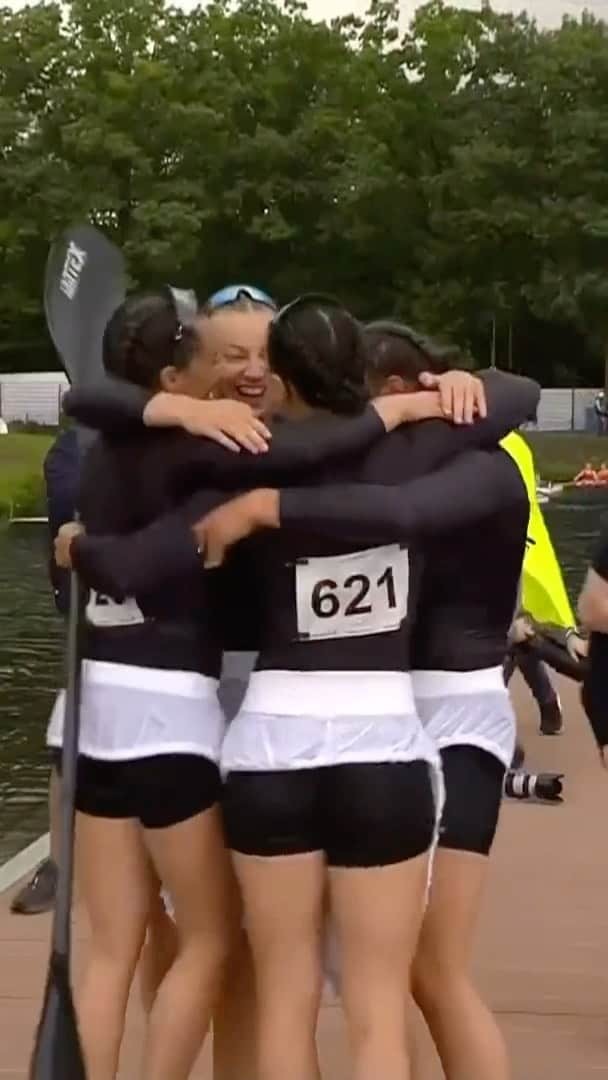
352	595
103	611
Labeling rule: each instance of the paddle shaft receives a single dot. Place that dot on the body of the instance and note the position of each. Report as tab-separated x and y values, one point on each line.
61	937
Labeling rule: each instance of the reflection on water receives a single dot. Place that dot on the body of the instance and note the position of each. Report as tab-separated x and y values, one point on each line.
574	528
31	667
31	637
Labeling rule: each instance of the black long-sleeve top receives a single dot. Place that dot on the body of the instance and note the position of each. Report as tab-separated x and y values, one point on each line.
129	480
128	563
469	520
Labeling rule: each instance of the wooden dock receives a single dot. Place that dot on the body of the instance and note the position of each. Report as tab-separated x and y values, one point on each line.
542	956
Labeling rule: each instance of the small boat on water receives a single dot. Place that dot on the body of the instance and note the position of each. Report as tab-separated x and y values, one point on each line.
547	491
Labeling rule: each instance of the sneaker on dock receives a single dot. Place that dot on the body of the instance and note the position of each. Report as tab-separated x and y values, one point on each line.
551	719
38	896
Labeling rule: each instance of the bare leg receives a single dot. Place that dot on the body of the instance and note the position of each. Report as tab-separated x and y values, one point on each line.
158	953
378	913
116	886
465	1032
192	862
283	898
234	1019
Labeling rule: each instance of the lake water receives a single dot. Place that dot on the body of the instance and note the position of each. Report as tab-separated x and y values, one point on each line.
31	661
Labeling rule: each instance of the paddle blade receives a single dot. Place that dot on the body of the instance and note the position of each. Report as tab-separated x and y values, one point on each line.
57	1051
85	282
186	304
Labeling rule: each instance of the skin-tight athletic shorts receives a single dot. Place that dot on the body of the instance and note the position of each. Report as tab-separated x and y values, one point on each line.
473	780
358	815
157	791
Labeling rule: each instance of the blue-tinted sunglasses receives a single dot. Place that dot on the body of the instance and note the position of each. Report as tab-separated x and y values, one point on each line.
231	293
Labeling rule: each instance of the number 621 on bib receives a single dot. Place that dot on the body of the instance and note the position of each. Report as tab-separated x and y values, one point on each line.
352	595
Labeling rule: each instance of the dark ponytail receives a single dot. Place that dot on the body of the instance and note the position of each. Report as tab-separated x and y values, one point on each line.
392	348
144	336
316	346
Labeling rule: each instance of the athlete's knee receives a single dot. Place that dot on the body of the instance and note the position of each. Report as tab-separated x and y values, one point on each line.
435	980
113	962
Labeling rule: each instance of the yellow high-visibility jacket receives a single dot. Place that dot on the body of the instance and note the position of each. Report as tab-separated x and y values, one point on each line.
544	593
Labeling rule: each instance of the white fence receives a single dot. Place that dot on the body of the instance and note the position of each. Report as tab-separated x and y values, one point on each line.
36	396
567	410
32	396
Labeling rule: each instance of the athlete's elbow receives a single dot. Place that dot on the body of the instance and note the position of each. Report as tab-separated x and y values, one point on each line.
118	585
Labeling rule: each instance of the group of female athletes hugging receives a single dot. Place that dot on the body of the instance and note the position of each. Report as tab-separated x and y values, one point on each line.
321	494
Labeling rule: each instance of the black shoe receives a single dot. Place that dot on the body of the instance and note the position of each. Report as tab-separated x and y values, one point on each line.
519	756
551	720
38	896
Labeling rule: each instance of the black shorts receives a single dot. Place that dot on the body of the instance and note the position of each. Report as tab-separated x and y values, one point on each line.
358	815
157	791
473	781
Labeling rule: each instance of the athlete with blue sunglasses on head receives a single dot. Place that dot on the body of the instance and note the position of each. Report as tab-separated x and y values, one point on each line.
235	323
232	294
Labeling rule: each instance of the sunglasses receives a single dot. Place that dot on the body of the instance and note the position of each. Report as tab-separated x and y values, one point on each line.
231	293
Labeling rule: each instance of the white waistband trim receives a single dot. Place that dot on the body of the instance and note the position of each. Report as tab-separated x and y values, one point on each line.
428	684
329	693
187	684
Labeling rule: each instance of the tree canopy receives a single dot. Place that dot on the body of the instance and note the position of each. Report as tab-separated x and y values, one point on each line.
453	174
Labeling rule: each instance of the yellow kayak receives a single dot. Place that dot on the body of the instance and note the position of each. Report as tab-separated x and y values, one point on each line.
543	590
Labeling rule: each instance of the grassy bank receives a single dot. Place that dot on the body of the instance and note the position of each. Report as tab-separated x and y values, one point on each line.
21	481
560	455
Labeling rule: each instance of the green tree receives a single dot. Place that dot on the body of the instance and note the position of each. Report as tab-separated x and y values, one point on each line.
452	175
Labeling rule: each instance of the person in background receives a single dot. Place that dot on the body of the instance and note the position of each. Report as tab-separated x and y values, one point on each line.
537	678
599	405
61	476
543	596
3	426
586	476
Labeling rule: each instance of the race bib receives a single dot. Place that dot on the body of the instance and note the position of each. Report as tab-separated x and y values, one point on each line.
352	595
103	611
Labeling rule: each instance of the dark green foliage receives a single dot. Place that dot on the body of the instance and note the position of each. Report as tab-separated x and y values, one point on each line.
453	175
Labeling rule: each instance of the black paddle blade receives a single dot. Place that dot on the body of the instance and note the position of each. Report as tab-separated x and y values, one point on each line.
85	282
57	1051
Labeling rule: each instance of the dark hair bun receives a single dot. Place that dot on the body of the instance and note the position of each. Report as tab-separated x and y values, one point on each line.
143	336
317	347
